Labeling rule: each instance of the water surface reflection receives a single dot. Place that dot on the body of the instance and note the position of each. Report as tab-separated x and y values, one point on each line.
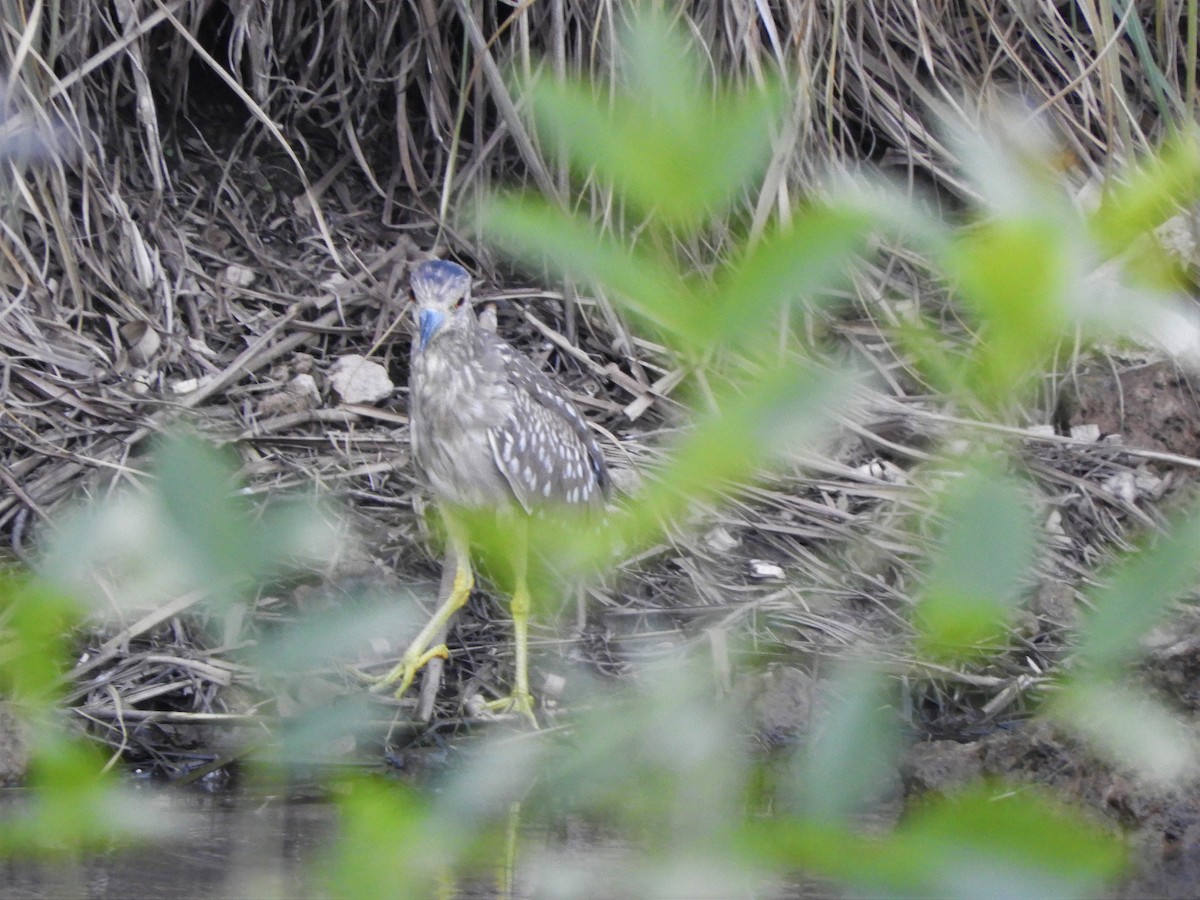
229	845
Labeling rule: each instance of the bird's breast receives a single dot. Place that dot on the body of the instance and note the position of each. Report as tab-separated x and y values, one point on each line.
454	406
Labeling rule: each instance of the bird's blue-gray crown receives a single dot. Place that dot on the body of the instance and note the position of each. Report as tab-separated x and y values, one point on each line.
440	288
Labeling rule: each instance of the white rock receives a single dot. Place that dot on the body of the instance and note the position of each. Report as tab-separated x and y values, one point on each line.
872	469
1177	236
882	470
143	341
187	385
140	381
1122	485
1148	483
719	540
355	379
239	276
299	394
761	570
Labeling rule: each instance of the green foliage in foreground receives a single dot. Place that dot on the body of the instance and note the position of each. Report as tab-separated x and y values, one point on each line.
74	802
665	768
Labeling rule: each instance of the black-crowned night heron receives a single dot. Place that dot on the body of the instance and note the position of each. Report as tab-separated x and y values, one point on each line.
490	431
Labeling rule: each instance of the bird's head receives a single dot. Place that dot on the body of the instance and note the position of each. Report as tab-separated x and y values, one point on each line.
442	291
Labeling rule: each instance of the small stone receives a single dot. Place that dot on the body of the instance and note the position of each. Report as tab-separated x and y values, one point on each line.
239	276
785	706
1054	601
553	687
143	341
1177	236
297	395
761	570
1149	484
882	470
719	540
940	766
1088	433
1122	485
187	385
355	379
1055	531
872	469
140	381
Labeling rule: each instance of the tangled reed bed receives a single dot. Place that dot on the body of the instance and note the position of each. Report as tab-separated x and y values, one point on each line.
226	195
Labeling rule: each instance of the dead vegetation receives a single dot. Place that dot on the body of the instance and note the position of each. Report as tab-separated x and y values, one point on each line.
239	191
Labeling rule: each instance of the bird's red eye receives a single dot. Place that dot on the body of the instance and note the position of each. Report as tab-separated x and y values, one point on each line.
458	304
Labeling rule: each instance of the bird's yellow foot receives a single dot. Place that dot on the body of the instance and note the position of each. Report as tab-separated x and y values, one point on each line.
406	670
519	703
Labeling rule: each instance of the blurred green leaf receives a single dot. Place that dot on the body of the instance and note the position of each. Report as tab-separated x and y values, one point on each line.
196	492
337	636
35	624
670	144
394	843
189	530
663	761
389	844
1159	188
1128	727
660	64
70	790
1136	592
852	753
945	363
894	209
1012	275
801	261
74	805
992	842
195	488
786	408
535	231
321	726
988	541
987	842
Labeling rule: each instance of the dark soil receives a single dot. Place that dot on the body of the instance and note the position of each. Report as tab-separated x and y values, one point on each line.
1152	406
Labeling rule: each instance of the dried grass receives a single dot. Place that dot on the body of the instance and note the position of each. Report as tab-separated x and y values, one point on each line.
247	183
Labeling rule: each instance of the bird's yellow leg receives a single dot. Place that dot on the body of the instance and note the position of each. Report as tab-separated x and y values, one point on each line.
521	700
419	652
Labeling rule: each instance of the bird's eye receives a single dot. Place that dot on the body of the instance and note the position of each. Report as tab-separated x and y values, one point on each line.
458	304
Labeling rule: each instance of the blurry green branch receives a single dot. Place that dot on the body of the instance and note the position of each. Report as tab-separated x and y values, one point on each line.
675	153
186	532
75	803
